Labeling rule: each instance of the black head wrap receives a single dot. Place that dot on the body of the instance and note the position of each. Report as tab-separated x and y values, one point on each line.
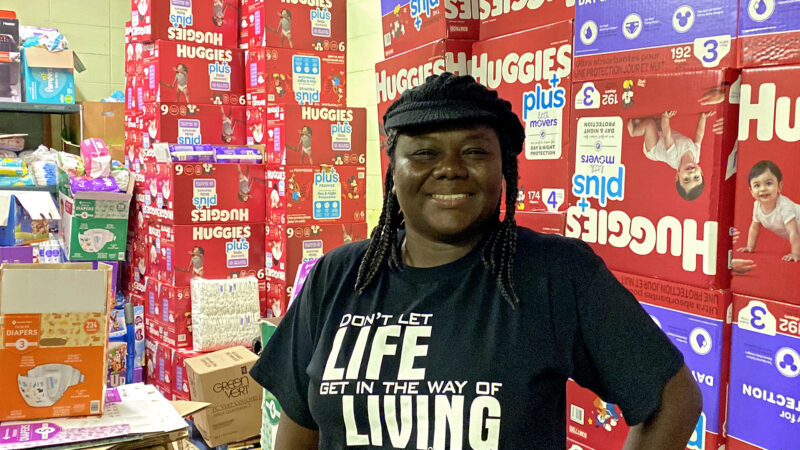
448	99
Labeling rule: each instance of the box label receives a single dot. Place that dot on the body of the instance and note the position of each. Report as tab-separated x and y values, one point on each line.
189	132
306	79
327	195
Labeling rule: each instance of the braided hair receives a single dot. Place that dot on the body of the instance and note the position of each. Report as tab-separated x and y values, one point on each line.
448	100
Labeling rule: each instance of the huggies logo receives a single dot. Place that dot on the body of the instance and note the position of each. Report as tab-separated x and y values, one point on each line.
496	8
523	68
555	97
310	3
340	127
642	236
773	117
219	68
601	187
195	36
461	9
419	7
390	85
330	114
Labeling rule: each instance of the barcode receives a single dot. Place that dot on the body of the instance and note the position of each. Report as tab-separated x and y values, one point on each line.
387	39
94	407
576	414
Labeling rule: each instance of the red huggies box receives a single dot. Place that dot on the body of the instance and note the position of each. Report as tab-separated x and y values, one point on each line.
501	17
303	195
188	193
180	384
766	246
634	37
192	124
319	25
206	22
652	189
303	77
289	246
313	135
407	70
231	250
194	74
245	28
411	24
532	69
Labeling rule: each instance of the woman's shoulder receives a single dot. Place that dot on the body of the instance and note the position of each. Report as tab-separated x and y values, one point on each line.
343	258
555	251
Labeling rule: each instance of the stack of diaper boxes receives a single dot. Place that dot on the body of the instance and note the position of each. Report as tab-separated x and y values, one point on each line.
315	145
657	212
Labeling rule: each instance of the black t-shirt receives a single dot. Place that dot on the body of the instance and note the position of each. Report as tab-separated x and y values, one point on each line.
437	359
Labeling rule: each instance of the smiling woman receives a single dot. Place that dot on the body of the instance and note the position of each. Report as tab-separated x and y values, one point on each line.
452	328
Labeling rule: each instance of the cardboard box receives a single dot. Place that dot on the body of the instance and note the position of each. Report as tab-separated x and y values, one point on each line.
303	195
221	378
214	252
188	193
304	25
26	217
395	75
175	123
536	66
289	246
303	77
10	73
309	135
634	211
636	37
193	74
543	222
498	18
48	76
104	120
270	407
697	322
199	21
411	24
765	364
769	33
768	109
53	339
94	225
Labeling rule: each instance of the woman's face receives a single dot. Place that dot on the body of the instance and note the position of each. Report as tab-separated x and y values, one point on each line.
448	182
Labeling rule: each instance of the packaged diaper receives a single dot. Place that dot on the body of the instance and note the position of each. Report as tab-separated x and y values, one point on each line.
92	241
71	164
225	313
191	153
237	155
122	176
96	159
13	167
16	180
81	184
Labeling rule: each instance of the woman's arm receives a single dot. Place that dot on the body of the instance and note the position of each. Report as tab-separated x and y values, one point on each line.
672	425
292	436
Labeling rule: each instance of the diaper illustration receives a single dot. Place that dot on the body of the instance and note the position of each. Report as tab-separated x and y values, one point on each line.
94	240
45	385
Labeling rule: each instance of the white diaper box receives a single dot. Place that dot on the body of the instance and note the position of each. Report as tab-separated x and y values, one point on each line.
53	339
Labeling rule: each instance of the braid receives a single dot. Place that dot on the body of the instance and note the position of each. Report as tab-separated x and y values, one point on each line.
501	245
384	235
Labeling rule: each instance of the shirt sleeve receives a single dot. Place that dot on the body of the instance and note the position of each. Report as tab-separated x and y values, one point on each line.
620	353
787	210
281	368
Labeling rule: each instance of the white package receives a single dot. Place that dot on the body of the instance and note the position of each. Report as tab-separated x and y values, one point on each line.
225	313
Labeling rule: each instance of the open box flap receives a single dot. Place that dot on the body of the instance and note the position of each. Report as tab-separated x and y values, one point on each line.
41	57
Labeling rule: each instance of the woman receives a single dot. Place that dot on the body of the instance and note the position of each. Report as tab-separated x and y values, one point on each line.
452	329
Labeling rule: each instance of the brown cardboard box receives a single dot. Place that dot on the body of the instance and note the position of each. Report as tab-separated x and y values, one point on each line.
222	379
104	120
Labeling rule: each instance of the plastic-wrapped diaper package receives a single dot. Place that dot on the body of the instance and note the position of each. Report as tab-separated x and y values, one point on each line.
237	155
121	175
16	180
44	385
71	164
105	184
96	159
192	153
45	173
225	313
14	167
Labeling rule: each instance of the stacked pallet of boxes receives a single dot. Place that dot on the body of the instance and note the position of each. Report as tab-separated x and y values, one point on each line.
194	217
315	145
655	100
